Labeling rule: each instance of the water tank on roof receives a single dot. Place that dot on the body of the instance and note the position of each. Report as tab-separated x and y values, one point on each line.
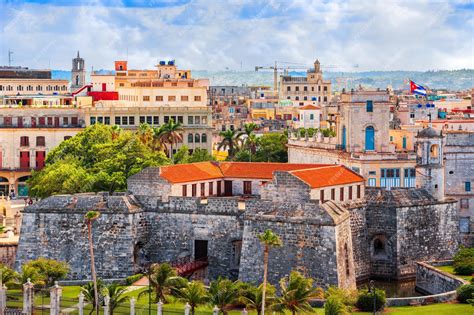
162	63
313	98
171	63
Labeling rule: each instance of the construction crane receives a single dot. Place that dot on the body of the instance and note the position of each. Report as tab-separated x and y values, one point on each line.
276	68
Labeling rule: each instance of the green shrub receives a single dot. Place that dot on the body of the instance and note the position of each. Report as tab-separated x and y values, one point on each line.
465	293
132	279
334	306
346	296
365	300
464	261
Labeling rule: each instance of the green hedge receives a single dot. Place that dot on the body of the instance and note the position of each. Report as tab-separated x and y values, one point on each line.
465	293
365	300
464	261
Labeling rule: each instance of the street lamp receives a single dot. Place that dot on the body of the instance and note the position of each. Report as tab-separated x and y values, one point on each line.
372	290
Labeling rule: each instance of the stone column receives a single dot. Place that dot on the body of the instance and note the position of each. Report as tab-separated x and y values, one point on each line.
160	307
55	299
215	310
106	304
3	298
187	308
81	304
28	298
132	306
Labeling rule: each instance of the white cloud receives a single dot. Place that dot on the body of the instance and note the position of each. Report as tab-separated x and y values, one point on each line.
385	35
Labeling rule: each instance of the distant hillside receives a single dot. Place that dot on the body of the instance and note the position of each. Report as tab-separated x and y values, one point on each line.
448	79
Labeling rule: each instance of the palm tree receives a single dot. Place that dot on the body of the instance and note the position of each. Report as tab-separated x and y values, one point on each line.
117	296
252	297
90	217
296	292
268	239
229	142
223	293
248	130
145	133
194	293
164	279
170	133
90	294
116	130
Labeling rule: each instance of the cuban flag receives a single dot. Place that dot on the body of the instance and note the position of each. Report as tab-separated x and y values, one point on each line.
417	89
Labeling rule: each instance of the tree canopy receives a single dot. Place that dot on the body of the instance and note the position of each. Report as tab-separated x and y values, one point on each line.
100	158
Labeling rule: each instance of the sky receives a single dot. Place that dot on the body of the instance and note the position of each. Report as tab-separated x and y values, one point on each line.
352	35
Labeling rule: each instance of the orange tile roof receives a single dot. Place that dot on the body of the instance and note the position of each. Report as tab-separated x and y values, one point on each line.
309	107
328	176
181	173
315	175
259	170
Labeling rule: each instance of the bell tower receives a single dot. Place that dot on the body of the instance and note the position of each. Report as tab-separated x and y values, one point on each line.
429	162
78	73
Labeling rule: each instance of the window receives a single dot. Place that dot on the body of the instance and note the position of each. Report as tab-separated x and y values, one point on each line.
211	188
197	98
305	89
190	138
346	254
156	120
358	191
333	194
467	186
106	120
124	120
341	194
146	98
40	141
371	182
66	121
325	99
197	120
24	141
197	139
190	120
247	187
184	98
350	192
185	190
171	98
434	151
369	106
465	203
379	247
67	137
288	88
159	98
412	115
131	120
325	89
117	120
204	138
297	88
203	189
311	116
167	119
194	190
180	119
149	120
321	196
219	188
100	119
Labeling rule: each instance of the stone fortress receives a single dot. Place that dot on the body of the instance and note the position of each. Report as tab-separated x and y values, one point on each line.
333	228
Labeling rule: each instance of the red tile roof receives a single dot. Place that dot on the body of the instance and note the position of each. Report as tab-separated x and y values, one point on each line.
328	176
258	170
181	173
309	107
315	175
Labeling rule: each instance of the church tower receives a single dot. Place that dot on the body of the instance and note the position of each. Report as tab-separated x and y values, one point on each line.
78	73
429	162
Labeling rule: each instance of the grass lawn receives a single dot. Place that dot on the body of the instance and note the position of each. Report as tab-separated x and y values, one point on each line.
450	269
70	297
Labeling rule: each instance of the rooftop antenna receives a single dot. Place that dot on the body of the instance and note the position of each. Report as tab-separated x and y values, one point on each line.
10	58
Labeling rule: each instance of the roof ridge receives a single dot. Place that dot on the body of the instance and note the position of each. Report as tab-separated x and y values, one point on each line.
315	168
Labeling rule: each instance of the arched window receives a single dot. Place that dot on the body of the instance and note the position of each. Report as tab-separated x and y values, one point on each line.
369	138
203	138
379	249
434	151
404	142
190	138
197	138
344	137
